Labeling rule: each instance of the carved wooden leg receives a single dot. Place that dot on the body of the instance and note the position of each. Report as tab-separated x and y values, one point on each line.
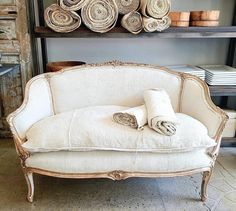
205	180
30	184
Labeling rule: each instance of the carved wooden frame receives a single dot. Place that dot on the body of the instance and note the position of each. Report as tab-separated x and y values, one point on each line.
118	174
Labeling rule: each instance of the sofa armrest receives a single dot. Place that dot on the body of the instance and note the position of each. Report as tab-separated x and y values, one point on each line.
196	102
37	104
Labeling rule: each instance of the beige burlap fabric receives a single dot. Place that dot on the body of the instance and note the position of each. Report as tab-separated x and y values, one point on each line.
150	24
72	5
100	15
126	6
155	8
61	20
132	22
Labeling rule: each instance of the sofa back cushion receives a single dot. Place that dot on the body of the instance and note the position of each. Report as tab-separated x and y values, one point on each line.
110	85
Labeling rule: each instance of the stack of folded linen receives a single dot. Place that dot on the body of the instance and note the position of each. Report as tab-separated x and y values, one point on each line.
193	70
157	113
220	74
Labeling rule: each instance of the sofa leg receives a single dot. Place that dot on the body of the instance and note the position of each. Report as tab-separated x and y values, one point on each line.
205	180
30	184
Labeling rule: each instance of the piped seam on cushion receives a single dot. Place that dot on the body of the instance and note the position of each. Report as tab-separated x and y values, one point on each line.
69	129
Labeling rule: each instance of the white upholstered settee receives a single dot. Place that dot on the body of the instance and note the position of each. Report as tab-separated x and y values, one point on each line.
52	139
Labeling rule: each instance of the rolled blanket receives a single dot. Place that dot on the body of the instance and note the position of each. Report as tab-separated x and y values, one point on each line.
150	24
100	15
132	22
72	5
126	6
133	117
163	23
161	116
60	20
155	8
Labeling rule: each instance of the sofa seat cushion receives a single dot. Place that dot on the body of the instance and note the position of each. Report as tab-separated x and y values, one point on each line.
107	161
93	128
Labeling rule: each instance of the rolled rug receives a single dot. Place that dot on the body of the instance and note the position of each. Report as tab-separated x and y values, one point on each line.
150	24
132	22
126	6
72	5
134	117
60	20
100	15
161	116
163	23
155	8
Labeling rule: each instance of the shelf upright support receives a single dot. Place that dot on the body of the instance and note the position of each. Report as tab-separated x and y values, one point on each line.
34	44
40	5
230	56
232	43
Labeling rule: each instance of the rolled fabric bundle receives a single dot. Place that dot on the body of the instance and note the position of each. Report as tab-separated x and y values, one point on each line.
134	117
60	20
100	15
132	22
126	6
155	8
164	23
150	24
72	5
161	116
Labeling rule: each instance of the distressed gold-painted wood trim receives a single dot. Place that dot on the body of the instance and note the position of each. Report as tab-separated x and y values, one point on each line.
205	180
117	174
113	175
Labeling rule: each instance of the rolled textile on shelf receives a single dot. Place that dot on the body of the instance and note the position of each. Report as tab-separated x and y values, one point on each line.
100	15
132	22
72	5
134	117
163	23
126	6
155	8
161	116
150	24
60	20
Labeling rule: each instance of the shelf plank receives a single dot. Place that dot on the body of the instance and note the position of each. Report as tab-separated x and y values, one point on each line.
119	32
223	90
228	142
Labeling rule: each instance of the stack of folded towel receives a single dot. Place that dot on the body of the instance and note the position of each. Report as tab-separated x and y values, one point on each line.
157	112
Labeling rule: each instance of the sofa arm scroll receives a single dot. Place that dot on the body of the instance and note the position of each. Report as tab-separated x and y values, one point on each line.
196	102
37	104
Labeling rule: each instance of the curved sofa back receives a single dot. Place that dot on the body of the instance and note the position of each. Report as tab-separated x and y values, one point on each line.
113	83
108	84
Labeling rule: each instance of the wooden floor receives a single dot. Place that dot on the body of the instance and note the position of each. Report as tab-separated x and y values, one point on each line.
165	194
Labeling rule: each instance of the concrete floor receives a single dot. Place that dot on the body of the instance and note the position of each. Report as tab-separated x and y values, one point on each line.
170	194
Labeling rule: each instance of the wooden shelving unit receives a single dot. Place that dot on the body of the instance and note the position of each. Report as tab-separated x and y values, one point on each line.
222	90
119	32
40	32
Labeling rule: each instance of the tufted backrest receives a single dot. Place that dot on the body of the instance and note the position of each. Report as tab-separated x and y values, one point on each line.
107	84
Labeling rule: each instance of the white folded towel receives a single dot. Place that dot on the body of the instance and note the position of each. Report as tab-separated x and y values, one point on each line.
161	116
134	117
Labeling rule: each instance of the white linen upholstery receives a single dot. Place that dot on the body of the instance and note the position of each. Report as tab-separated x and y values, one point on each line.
92	128
122	85
110	85
38	106
194	103
106	161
